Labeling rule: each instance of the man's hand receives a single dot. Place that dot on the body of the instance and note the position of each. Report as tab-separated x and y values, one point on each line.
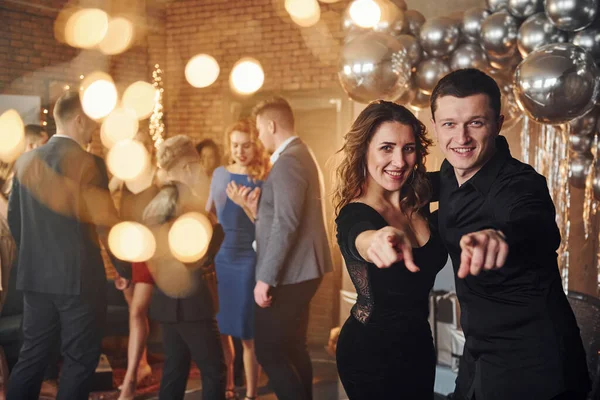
390	245
485	249
261	294
122	283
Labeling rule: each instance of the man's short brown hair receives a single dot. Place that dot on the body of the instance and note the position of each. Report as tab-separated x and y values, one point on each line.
278	109
67	106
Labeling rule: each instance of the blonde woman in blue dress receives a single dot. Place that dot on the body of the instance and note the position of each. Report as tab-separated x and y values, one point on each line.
236	260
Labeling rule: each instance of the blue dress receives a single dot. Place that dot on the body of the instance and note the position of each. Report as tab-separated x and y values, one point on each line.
236	261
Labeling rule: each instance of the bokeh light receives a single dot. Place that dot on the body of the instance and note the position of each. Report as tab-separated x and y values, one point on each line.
247	76
86	28
118	38
365	13
142	181
131	241
12	136
99	95
190	236
139	97
309	20
128	159
303	12
202	71
121	124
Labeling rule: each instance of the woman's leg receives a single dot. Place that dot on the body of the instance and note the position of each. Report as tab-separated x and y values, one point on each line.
144	367
251	367
138	333
229	354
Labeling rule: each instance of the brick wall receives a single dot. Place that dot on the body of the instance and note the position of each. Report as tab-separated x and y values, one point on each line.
34	63
292	57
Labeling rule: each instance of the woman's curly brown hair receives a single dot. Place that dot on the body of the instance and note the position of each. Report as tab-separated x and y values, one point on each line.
352	171
260	165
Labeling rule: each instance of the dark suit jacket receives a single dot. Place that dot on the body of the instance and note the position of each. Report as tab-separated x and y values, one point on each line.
58	207
183	292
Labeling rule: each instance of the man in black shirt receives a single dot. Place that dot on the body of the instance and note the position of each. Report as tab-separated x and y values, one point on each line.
522	340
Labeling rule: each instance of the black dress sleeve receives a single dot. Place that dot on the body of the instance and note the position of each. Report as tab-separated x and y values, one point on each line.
354	219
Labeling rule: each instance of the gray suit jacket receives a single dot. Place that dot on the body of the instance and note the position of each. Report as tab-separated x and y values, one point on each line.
291	235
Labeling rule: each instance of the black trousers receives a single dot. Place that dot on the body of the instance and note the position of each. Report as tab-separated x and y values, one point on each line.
562	396
82	319
198	341
280	337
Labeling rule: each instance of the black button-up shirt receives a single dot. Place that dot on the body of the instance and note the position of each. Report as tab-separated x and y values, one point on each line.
522	340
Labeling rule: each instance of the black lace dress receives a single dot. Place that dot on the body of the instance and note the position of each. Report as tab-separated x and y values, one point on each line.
385	348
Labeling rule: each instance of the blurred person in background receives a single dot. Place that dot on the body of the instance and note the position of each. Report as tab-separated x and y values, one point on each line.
134	197
210	156
59	208
184	299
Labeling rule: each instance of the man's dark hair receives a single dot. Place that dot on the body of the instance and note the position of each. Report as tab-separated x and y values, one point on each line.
464	83
33	129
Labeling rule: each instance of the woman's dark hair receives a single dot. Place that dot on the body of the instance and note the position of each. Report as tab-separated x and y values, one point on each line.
208	143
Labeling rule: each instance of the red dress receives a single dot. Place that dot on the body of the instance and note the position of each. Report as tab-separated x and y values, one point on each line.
140	273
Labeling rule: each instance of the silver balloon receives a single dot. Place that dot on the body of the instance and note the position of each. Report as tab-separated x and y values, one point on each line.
496	5
499	34
429	72
579	168
413	21
586	124
557	83
420	101
413	48
469	55
373	66
391	21
508	62
596	181
589	39
538	31
471	24
439	36
401	4
571	15
408	95
508	105
525	8
501	76
580	144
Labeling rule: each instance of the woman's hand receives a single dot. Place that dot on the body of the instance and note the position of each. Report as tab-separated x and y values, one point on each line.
244	197
386	247
236	193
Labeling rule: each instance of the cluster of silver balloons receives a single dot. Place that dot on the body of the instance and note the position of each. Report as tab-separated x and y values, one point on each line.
403	56
581	142
542	53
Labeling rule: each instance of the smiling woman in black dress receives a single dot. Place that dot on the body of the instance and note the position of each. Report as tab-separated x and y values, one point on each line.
385	348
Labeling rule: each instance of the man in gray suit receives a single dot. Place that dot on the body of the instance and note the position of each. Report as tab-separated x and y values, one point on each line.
292	252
